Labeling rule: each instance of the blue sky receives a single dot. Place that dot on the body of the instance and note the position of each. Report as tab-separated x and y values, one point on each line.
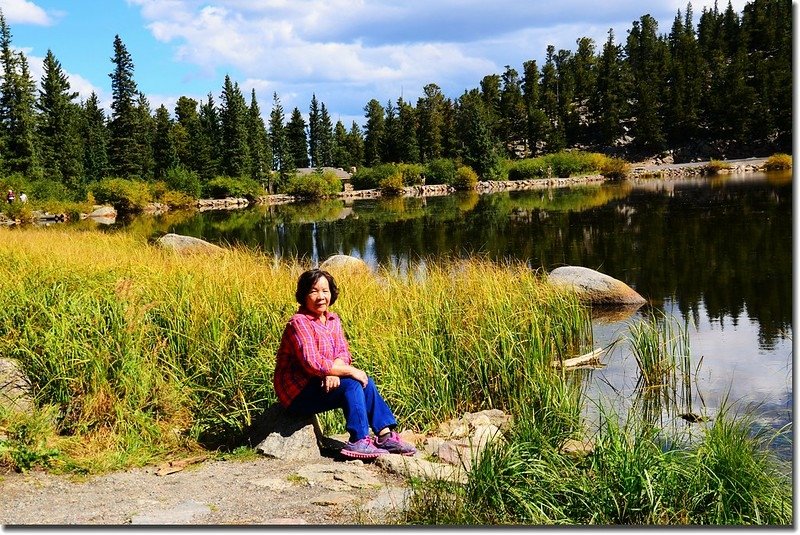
345	51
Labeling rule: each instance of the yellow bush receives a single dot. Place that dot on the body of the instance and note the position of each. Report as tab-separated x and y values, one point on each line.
778	162
615	168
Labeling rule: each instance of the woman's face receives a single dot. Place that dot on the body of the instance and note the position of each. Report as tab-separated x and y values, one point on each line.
319	297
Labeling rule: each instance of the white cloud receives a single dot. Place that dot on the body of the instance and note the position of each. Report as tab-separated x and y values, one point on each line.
24	12
378	48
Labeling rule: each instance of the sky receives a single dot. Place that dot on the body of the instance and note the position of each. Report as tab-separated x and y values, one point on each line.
346	52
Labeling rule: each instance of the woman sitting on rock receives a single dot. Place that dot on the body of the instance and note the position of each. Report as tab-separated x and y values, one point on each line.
313	373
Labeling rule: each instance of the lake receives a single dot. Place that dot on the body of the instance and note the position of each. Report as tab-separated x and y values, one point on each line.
715	254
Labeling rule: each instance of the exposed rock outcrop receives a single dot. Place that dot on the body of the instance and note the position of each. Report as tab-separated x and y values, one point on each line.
15	387
341	262
287	436
595	287
187	244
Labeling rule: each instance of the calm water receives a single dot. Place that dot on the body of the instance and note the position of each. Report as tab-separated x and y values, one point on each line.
715	254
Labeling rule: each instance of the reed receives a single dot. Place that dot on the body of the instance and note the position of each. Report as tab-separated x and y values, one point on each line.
636	476
142	353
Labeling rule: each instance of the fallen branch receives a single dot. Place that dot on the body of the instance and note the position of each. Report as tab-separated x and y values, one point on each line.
589	359
171	467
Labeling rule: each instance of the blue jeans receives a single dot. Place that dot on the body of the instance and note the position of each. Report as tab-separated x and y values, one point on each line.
363	407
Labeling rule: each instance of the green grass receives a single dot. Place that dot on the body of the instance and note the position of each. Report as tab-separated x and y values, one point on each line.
143	354
634	477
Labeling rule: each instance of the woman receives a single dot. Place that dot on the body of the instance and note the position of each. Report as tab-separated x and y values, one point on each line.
313	372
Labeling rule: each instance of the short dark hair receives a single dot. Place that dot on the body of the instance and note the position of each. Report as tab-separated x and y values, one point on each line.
309	279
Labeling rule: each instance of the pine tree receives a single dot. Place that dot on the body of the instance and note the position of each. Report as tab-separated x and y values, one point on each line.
94	133
537	123
341	154
144	134
450	137
356	145
512	113
565	84
490	95
766	33
281	157
549	102
647	57
60	147
233	122
313	132
607	105
684	85
374	133
186	134
390	149
477	146
430	121
165	156
17	114
583	67
407	147
297	140
258	141
325	138
209	140
123	149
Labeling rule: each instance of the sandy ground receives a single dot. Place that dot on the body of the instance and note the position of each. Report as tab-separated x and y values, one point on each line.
257	492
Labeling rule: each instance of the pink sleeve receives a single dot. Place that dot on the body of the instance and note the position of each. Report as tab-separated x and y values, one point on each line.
306	350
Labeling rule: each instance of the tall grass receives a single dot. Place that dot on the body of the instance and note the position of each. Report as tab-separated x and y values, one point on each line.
141	353
634	477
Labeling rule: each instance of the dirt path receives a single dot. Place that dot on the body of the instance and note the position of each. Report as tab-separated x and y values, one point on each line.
261	491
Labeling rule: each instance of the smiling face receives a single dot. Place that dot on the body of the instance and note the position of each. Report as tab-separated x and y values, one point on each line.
319	297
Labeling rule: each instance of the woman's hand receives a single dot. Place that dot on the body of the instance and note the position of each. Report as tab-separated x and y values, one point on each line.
341	369
330	382
359	375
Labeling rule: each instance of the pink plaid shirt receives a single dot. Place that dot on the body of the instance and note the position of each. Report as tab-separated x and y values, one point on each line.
307	351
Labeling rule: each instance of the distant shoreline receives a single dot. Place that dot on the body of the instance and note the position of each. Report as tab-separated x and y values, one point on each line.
638	170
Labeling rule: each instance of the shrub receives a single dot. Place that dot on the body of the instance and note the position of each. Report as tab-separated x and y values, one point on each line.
440	171
177	199
713	167
565	164
392	185
370	177
316	185
615	168
123	194
19	211
466	178
183	180
412	174
227	186
528	169
778	162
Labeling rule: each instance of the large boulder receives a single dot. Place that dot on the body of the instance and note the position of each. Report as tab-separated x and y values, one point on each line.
595	287
341	262
187	244
288	436
15	388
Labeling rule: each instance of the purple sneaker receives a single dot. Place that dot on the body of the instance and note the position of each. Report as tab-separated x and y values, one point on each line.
362	449
392	443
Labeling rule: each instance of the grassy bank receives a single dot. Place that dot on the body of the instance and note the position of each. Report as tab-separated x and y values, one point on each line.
136	353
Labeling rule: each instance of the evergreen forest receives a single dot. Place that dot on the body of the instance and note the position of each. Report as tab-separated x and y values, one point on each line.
719	88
